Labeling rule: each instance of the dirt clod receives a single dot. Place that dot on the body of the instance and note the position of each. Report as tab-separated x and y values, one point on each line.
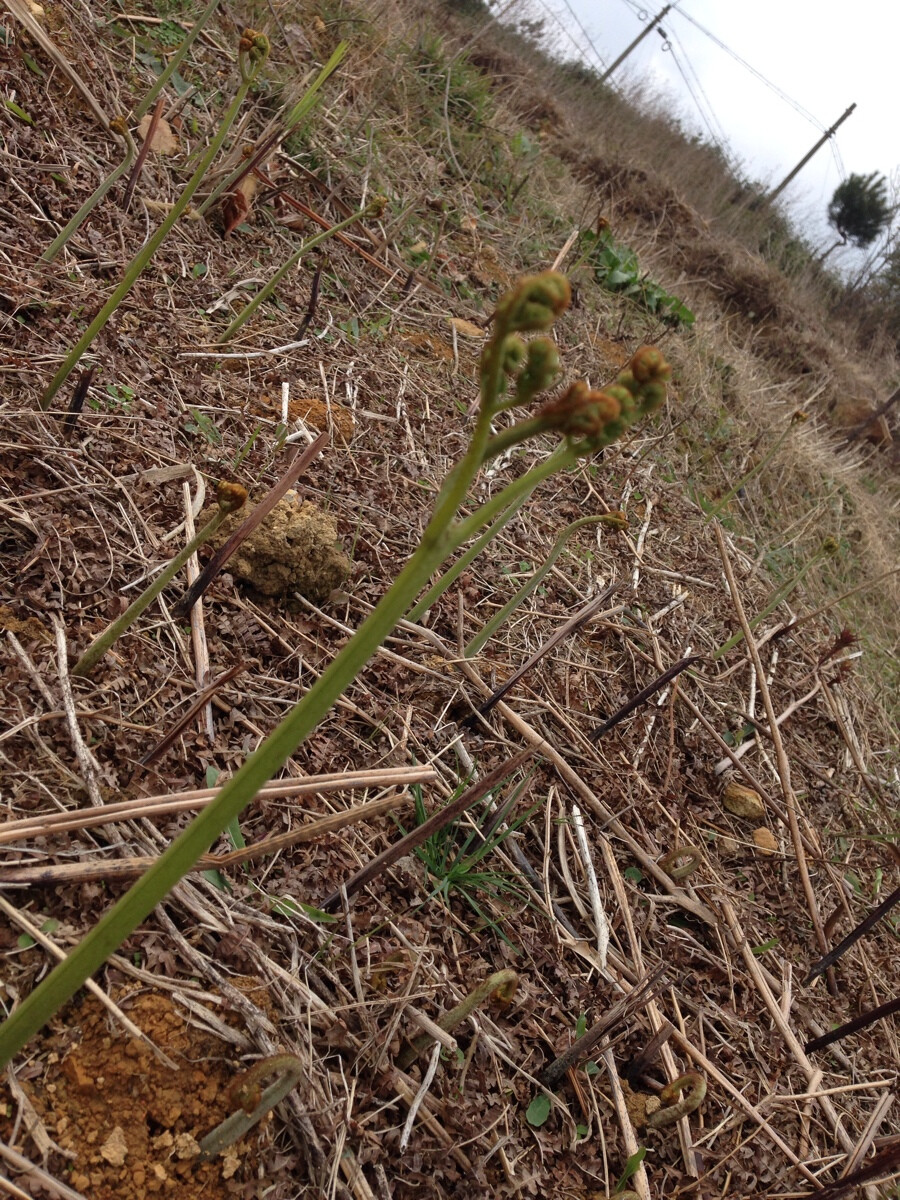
295	549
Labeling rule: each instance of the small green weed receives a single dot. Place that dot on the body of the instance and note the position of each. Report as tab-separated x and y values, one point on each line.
455	859
616	268
119	399
197	422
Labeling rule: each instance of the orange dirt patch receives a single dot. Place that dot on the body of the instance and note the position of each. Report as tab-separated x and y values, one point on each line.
428	345
613	354
311	411
131	1123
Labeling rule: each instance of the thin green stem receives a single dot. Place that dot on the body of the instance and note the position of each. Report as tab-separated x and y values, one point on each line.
780	595
294	117
501	983
143	257
487	631
751	474
450	576
290	1071
514	435
113	632
91	203
249	309
531	306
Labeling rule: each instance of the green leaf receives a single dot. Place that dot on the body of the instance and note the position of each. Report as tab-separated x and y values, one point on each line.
763	947
233	829
17	111
630	1167
217	879
198	270
581	1026
286	906
33	67
25	941
634	874
538	1110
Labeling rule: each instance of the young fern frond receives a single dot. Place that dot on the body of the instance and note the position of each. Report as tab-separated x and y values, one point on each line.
586	420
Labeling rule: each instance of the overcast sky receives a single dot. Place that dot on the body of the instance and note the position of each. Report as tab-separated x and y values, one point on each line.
823	54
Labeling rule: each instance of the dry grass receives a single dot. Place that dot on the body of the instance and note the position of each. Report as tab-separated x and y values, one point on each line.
84	517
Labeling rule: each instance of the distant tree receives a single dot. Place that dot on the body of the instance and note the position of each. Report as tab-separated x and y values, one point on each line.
859	210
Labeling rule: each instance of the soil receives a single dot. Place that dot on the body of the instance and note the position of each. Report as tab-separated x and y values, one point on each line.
295	549
126	1122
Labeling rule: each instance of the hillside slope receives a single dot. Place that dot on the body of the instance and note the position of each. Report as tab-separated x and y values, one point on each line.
734	502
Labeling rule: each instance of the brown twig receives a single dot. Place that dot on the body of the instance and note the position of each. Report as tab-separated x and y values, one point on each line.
853	936
131	868
854	1026
76	404
185	719
643	695
620	1012
243	531
886	1162
784	767
313	301
421	833
569	627
142	154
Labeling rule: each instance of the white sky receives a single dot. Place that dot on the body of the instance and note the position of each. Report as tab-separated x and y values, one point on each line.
824	54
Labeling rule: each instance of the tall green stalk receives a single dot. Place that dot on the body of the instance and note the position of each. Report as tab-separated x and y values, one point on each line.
252	54
120	126
263	294
230	497
587	420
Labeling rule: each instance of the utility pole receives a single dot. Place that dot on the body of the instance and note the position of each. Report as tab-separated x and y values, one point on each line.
637	41
803	161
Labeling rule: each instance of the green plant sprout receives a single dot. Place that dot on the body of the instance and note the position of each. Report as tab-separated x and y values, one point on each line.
230	497
713	511
630	1169
373	207
500	986
691	1087
253	1103
454	863
253	50
585	420
616	519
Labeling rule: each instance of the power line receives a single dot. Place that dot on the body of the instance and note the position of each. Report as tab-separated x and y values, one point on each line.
753	71
708	114
579	49
587	36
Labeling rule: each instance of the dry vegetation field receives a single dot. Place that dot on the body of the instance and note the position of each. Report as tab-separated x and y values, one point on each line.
738	510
